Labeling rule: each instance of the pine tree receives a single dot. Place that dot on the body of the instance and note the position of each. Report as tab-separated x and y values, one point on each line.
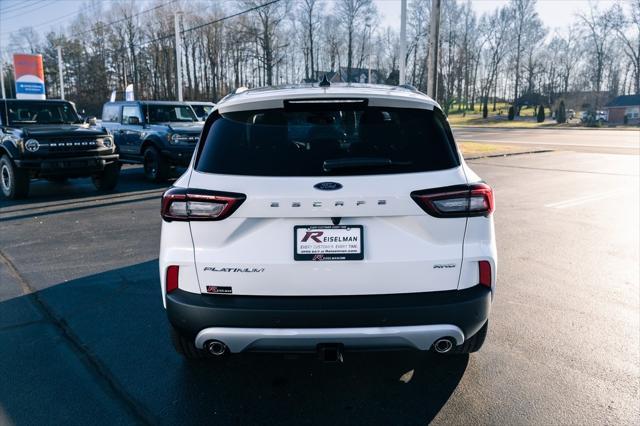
561	116
540	114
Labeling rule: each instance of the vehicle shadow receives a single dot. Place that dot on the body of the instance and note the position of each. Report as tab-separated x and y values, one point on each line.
368	388
54	196
115	320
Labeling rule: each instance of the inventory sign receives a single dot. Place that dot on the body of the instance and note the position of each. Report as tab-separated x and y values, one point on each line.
29	74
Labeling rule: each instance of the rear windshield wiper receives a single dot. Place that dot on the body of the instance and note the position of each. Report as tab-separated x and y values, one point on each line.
357	162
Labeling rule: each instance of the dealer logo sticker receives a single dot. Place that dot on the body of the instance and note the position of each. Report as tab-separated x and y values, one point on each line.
216	289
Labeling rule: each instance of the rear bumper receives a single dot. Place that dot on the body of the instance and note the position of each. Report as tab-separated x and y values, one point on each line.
270	316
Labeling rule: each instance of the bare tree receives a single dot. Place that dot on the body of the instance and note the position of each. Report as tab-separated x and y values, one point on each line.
568	56
269	17
495	28
352	13
310	20
418	21
627	29
25	40
598	28
525	21
332	42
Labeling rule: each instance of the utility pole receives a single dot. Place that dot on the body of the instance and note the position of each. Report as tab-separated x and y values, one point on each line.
434	41
403	41
4	94
178	15
368	26
60	71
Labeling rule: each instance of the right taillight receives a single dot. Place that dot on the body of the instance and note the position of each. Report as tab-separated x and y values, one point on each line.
171	281
484	272
184	204
456	201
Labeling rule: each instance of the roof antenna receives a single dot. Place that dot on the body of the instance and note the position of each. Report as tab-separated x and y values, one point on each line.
324	82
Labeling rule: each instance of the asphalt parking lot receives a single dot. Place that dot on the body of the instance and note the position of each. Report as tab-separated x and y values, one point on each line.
83	336
611	141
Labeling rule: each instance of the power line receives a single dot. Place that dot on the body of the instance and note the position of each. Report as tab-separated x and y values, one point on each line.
127	18
18	6
98	24
15	6
48	22
197	27
24	12
63	17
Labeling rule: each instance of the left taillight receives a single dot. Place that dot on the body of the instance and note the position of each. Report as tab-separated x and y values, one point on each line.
171	281
190	204
484	273
456	201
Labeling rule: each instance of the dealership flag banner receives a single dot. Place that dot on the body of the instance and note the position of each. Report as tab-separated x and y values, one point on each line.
128	93
29	74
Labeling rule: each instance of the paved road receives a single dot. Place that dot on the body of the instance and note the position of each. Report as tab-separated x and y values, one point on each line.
582	140
83	335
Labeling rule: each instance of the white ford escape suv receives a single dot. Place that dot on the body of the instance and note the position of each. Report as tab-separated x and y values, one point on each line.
327	218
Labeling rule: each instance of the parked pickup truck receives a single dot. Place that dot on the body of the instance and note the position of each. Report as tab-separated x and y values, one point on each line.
160	135
47	139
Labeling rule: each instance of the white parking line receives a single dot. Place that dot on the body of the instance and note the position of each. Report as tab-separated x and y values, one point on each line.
535	142
572	202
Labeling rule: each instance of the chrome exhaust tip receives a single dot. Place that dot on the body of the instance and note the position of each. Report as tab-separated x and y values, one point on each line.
215	347
442	346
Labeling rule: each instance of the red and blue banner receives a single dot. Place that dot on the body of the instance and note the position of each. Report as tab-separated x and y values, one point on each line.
29	74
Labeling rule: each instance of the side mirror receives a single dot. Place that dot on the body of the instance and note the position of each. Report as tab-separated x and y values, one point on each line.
91	121
133	120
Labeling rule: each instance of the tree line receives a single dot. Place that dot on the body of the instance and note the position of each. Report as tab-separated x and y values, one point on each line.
507	55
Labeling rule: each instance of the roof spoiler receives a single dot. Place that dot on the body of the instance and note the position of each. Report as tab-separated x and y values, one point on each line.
321	104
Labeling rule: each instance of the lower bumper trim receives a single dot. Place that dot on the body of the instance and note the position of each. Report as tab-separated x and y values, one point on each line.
467	309
419	337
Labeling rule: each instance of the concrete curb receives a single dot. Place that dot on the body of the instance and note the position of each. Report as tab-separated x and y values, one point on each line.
618	129
509	154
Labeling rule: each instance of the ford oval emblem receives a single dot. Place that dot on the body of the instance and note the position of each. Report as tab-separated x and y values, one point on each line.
327	186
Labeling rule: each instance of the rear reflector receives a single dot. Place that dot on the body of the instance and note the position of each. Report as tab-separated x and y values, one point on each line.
484	268
184	204
171	283
456	201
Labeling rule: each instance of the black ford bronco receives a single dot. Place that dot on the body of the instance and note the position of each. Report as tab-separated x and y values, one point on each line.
47	139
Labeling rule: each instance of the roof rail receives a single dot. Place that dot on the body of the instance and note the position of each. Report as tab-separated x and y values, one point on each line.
408	87
234	92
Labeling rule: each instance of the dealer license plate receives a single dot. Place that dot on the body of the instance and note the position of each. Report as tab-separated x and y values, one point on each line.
322	243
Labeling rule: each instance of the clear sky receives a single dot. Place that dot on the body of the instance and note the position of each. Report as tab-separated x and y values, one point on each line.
52	14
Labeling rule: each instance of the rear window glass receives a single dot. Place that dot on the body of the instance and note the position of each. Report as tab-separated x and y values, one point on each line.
161	113
111	113
202	110
328	142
